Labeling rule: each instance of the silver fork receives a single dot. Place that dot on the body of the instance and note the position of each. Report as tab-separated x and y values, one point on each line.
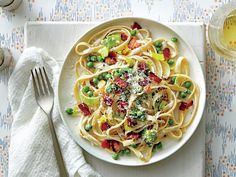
44	97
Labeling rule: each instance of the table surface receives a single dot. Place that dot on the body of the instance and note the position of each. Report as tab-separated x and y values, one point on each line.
221	90
190	158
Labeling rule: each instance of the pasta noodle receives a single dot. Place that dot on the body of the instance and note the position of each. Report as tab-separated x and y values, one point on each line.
132	92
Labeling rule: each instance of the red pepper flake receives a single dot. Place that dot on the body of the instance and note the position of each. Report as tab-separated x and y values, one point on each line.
121	83
107	100
142	66
135	25
154	77
133	135
123	36
185	105
143	82
131	122
133	43
85	109
110	61
166	53
105	144
105	126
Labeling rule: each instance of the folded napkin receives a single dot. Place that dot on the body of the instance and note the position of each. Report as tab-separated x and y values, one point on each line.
31	150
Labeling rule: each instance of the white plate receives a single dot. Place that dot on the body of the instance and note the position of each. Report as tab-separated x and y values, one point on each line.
67	79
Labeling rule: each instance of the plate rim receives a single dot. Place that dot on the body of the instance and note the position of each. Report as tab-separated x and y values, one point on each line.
99	24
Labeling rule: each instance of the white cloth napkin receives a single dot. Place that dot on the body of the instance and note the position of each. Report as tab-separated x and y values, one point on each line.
31	151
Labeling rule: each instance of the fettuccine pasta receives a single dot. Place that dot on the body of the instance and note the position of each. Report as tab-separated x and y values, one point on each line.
132	91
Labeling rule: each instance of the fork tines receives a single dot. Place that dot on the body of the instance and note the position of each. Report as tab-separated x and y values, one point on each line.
41	82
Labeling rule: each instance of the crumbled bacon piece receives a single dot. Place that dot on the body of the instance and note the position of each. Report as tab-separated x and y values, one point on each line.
85	109
122	107
92	83
105	126
154	77
115	145
142	66
185	105
166	53
135	25
133	43
121	83
110	61
107	100
123	36
133	135
105	144
143	82
131	122
112	54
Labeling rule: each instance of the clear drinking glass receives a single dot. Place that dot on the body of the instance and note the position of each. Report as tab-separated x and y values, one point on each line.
222	30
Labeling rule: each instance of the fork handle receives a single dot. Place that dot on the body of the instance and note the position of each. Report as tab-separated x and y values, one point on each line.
57	149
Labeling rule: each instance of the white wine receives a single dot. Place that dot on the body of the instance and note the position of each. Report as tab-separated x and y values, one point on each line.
229	31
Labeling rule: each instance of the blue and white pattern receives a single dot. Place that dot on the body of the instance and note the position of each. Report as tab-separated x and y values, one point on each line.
221	75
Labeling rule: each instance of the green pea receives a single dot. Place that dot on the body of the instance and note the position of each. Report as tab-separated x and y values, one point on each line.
158	44
100	58
93	58
115	156
90	64
108	76
90	93
170	122
127	152
174	39
183	95
100	77
95	81
158	49
86	89
170	62
133	32
134	145
159	145
188	91
104	75
69	111
173	79
88	127
187	84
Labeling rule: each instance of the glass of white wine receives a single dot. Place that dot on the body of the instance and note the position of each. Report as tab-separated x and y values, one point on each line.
222	30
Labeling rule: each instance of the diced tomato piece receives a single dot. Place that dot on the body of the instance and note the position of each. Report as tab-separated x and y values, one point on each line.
135	25
133	135
166	53
142	66
85	109
121	83
105	144
131	122
105	126
110	61
185	105
143	82
112	54
107	100
116	146
123	36
154	77
133	43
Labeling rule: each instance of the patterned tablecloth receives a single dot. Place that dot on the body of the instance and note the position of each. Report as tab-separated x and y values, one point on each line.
221	74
